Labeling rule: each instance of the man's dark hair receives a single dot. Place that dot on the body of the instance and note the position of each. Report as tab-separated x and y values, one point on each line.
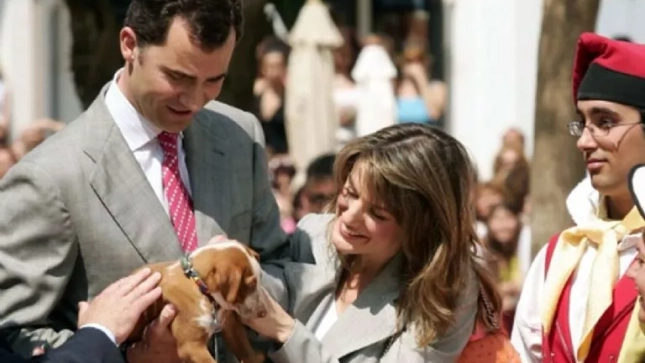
321	167
209	21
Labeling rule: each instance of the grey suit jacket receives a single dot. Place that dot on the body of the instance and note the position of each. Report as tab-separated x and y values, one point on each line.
78	213
367	331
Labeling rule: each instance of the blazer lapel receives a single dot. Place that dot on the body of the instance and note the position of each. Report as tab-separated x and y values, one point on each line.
117	179
373	316
308	286
208	169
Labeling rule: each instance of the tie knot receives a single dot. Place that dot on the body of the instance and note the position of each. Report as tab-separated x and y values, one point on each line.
168	142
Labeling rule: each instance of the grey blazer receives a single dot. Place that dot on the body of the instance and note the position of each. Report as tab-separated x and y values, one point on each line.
367	330
78	213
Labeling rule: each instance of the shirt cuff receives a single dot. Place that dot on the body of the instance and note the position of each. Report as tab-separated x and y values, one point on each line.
105	331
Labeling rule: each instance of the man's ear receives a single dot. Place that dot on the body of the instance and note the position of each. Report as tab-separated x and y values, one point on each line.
128	44
214	280
637	187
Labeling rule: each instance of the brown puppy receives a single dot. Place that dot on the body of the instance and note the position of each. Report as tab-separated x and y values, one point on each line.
209	288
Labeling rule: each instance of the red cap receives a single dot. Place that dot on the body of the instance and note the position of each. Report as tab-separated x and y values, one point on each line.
610	70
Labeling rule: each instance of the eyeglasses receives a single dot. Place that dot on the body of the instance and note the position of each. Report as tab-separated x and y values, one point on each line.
576	128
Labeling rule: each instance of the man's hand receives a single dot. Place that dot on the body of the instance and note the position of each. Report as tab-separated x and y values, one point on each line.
158	345
120	305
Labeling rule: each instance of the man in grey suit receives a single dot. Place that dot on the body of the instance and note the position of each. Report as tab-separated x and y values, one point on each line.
145	174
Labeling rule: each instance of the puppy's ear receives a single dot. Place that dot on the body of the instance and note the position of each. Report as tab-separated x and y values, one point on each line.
214	280
234	281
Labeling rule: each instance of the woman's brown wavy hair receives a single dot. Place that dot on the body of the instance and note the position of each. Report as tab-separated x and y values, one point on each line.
423	177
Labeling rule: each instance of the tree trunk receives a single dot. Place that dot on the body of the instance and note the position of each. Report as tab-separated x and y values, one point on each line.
95	47
557	165
238	86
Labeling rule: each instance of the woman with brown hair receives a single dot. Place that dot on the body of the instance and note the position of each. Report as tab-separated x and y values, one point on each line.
511	170
502	242
391	274
420	99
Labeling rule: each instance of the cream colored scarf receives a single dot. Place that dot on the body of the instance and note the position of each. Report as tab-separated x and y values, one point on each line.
570	247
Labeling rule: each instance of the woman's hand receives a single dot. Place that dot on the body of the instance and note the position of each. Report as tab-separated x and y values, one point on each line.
417	72
277	324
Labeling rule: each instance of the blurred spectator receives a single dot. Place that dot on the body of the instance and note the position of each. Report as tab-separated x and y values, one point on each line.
282	172
507	158
419	99
7	160
516	185
345	92
513	138
475	184
320	186
511	171
488	195
526	210
298	210
18	149
502	240
382	39
269	91
418	27
4	133
34	134
5	101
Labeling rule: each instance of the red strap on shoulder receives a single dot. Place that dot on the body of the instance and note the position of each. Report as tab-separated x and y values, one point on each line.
549	252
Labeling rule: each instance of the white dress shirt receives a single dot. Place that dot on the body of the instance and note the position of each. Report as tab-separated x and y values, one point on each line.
141	137
105	331
327	320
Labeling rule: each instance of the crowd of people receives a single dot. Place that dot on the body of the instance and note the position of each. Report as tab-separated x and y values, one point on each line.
418	96
30	137
391	250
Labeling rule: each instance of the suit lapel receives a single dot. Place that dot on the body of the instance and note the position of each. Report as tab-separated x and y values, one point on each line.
372	318
308	286
117	179
208	169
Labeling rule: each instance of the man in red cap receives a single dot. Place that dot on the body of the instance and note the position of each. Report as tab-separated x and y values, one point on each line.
577	304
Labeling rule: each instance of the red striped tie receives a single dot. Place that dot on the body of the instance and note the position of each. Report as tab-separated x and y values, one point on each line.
180	205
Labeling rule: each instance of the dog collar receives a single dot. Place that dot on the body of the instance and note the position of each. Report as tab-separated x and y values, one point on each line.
190	272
